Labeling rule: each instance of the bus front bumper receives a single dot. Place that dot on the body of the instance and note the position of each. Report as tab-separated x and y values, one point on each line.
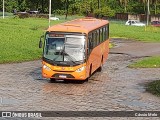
71	75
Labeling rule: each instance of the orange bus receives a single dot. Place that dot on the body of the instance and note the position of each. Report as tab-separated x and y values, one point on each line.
74	50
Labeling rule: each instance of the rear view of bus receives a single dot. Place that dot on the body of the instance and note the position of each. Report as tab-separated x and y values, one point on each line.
75	49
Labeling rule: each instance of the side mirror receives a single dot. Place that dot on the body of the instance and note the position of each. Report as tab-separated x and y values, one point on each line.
40	42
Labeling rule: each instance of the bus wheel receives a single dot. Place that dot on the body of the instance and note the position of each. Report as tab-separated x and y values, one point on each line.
52	79
100	67
87	79
80	81
90	72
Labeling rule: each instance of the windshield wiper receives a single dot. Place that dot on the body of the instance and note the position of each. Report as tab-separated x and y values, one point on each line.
68	56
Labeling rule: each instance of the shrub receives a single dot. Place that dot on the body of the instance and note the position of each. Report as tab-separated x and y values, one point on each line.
104	12
59	12
23	15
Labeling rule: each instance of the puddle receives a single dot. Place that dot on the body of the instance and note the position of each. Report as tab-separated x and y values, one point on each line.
135	103
7	101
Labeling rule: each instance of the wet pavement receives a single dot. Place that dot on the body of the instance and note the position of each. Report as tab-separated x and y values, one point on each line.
116	88
136	48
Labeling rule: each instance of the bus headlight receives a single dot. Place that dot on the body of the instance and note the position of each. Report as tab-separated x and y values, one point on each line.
80	69
46	68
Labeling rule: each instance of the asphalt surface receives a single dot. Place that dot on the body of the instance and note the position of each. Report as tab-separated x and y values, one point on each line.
116	88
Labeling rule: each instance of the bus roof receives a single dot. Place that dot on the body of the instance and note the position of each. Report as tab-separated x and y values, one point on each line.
83	25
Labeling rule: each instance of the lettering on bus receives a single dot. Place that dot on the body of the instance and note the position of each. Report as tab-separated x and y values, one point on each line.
56	35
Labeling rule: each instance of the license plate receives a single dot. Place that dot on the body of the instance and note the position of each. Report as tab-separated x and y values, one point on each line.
62	76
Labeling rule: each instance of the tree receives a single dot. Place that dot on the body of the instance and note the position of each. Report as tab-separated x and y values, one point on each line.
124	3
83	6
104	12
155	2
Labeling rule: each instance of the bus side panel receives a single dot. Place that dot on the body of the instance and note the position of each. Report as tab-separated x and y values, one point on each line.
106	51
95	58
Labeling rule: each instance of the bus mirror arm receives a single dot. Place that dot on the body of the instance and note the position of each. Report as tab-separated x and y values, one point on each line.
40	42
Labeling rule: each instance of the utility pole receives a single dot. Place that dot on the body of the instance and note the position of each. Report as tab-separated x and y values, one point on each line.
148	12
67	5
50	2
3	9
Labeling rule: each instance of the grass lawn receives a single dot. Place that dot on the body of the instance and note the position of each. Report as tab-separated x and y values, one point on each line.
151	62
148	34
19	38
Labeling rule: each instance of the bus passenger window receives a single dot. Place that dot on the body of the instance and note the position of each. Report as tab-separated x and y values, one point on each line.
93	39
97	40
104	34
91	45
90	42
107	31
101	35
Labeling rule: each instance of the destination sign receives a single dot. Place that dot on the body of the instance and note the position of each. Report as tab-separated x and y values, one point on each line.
55	35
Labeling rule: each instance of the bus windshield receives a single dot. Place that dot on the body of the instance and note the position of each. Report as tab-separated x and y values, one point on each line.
69	50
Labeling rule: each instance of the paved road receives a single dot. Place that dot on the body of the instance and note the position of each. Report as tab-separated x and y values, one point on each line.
136	48
117	87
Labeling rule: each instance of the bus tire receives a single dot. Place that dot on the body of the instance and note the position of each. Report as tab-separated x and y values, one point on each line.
100	67
87	79
80	81
52	79
90	71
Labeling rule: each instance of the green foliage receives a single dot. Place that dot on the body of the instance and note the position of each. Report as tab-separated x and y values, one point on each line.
19	38
9	6
105	11
23	6
154	87
111	45
114	5
136	8
58	12
149	34
83	6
